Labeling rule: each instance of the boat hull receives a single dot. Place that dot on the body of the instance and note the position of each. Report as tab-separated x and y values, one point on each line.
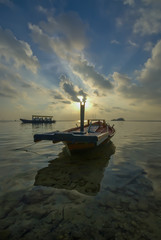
36	122
79	146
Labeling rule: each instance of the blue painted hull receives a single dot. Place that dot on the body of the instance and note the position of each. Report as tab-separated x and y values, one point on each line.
36	121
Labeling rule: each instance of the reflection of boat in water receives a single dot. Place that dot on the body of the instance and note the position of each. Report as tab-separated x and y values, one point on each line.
82	172
39	119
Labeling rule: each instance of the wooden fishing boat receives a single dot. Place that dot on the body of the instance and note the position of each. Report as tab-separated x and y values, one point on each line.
96	132
91	135
39	119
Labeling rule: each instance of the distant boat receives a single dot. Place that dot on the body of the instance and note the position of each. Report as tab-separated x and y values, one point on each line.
39	119
93	134
118	119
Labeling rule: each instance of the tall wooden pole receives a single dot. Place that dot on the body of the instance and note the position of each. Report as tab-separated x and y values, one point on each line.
82	113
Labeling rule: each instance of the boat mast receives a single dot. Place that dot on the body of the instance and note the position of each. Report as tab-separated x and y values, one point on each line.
82	113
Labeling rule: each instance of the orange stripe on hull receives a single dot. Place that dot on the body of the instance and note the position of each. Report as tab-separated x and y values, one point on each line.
83	146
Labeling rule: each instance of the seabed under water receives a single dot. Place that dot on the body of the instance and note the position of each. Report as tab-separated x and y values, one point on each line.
69	201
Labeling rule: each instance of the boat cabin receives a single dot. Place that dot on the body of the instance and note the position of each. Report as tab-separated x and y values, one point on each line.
41	118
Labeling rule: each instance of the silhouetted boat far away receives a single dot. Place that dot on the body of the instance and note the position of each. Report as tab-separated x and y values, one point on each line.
39	119
118	119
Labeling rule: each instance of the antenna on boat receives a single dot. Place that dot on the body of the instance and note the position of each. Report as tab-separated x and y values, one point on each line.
82	112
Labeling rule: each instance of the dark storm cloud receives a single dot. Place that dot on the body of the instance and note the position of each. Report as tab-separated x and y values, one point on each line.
89	75
69	89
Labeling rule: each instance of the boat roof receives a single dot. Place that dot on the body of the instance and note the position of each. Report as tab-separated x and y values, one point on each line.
41	116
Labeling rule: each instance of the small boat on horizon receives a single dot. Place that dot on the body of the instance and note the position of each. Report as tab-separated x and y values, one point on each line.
91	135
118	119
39	119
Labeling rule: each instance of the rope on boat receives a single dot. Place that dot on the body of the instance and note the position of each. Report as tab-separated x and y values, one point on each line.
27	150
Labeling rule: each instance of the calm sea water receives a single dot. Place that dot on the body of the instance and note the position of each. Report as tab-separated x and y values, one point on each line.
113	192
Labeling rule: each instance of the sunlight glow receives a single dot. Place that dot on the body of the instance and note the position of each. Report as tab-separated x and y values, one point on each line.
80	98
88	105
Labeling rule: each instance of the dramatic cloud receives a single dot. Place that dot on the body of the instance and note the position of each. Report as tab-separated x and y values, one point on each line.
115	66
56	95
60	97
17	87
66	102
53	44
144	17
68	28
121	79
147	85
17	51
150	76
65	36
9	80
8	90
149	21
67	86
96	92
90	76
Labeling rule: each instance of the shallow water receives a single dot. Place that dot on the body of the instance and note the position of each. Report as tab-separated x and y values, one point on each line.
112	192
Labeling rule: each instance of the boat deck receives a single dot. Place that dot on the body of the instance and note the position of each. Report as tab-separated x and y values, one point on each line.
94	130
89	135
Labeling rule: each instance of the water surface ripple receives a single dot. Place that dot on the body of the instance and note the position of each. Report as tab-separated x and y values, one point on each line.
112	192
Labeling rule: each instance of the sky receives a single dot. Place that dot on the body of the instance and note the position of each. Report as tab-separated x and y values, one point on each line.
52	51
